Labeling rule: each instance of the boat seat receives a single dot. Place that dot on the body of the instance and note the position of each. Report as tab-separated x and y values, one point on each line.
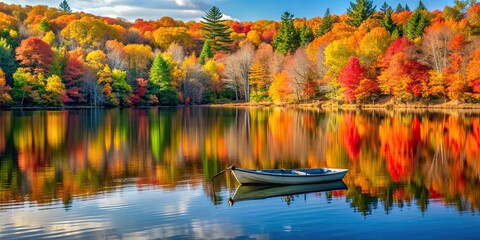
299	172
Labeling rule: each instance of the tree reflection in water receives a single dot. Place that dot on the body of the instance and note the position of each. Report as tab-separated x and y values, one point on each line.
396	158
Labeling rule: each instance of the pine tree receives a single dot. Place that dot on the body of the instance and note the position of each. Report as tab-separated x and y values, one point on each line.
421	6
388	22
63	6
160	75
326	25
306	35
385	8
216	32
287	38
359	12
399	8
415	25
206	52
7	61
407	8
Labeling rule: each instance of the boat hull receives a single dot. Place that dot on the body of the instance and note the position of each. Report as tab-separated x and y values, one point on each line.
255	192
251	177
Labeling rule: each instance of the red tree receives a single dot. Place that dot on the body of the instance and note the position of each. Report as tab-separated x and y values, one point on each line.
73	74
418	73
34	55
350	77
399	45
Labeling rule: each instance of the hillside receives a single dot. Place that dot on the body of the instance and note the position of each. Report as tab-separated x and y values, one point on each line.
55	57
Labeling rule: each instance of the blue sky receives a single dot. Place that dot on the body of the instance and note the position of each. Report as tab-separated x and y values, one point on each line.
243	10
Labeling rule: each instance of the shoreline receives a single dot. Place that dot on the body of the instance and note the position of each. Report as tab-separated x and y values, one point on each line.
321	105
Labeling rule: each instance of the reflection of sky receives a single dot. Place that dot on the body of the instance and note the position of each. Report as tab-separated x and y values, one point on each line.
187	212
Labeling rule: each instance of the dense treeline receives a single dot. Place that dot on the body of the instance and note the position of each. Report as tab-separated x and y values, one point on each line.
51	56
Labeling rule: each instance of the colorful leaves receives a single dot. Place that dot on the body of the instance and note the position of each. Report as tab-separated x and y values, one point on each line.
350	77
34	55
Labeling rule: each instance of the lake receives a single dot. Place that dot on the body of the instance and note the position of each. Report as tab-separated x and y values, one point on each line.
144	173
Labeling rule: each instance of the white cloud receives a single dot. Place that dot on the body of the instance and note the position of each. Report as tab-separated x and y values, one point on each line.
133	9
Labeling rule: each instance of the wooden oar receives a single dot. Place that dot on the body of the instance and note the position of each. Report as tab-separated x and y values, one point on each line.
216	175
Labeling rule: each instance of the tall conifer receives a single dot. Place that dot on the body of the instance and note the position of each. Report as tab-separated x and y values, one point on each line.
216	32
359	11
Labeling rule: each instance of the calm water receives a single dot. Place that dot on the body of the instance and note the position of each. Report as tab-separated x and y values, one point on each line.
144	173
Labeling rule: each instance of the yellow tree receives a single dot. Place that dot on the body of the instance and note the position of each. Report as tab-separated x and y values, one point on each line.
163	37
5	97
55	90
89	32
280	91
96	60
374	45
258	81
139	58
105	80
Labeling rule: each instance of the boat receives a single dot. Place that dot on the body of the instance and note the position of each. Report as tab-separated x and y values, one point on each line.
257	192
287	176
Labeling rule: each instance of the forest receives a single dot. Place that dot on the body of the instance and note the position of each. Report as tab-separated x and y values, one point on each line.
56	57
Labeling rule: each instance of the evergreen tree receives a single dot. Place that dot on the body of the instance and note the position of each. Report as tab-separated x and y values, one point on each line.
306	35
287	38
7	62
407	8
63	6
421	6
359	12
160	75
415	25
399	8
216	32
206	52
385	8
326	25
388	22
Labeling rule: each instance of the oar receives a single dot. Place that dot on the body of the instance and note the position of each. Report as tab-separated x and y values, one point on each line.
216	175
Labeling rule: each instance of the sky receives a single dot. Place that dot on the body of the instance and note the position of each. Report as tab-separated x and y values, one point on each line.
242	10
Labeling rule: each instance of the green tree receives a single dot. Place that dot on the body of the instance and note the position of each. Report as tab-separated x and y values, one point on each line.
63	6
385	8
421	6
287	38
160	75
7	61
28	87
415	25
44	25
327	23
359	12
206	52
388	22
407	8
306	35
399	8
121	88
216	32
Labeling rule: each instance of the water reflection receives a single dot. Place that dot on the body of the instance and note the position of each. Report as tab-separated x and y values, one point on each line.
393	158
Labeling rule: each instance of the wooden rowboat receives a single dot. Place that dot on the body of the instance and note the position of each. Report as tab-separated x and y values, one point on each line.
288	176
257	192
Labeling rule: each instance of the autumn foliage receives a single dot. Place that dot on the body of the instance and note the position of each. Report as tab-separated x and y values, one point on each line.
362	55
